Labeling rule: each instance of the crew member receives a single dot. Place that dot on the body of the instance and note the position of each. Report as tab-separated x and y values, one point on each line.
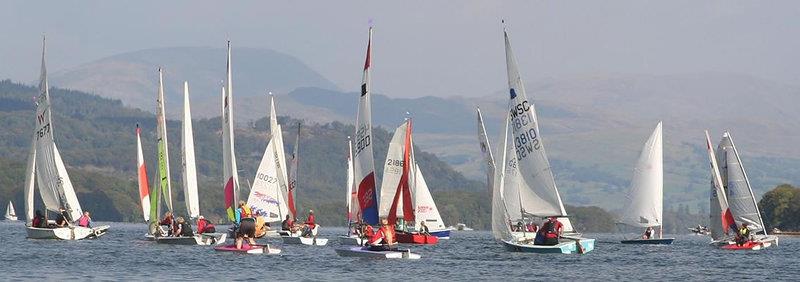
62	220
247	225
168	222
384	238
38	220
309	225
287	224
205	226
423	229
85	220
184	229
550	232
742	235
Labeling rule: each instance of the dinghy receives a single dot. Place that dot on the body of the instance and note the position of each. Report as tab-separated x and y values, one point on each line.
162	179
732	200
229	170
364	252
48	169
644	205
10	213
524	186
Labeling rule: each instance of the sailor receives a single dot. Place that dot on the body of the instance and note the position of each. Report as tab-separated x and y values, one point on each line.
168	222
61	220
520	226
742	235
531	227
550	232
287	224
184	229
367	231
85	220
384	239
205	226
247	225
648	233
262	226
310	224
423	229
38	220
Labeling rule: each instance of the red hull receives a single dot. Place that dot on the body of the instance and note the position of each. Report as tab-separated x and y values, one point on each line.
416	238
750	245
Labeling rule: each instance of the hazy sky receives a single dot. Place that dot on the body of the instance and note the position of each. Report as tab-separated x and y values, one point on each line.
440	48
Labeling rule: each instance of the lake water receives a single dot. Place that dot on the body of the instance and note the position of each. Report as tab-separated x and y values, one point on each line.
471	255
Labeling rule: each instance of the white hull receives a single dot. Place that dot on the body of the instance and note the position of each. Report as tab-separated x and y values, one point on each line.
310	241
66	233
360	252
12	218
352	240
199	239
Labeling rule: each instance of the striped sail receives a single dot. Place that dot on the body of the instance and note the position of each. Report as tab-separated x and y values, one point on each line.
189	169
144	187
229	171
163	148
364	164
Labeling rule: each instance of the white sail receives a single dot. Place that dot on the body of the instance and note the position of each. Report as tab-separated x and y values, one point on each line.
532	160
163	144
144	189
278	153
352	200
721	216
739	192
10	213
266	198
30	182
500	220
189	171
425	209
643	207
230	171
486	150
70	200
392	172
364	164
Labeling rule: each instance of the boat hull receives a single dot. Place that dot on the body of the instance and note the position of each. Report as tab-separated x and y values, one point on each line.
66	233
565	246
442	234
309	241
248	249
199	239
416	238
363	252
662	241
748	246
12	218
352	240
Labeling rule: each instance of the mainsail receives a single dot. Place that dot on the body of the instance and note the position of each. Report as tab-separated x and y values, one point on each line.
269	191
402	203
163	149
723	212
294	163
55	187
30	177
189	172
739	192
486	150
364	165
278	153
229	171
645	199
10	210
500	218
352	196
393	172
144	187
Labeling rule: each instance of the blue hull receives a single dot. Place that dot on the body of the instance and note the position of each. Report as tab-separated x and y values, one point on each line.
663	241
565	247
444	234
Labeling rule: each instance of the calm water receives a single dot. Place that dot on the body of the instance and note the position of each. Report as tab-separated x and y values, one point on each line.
472	255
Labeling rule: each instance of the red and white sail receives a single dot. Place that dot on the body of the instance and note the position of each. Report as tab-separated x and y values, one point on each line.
725	216
364	164
144	186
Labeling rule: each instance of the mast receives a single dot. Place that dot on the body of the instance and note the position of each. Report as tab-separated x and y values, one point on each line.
189	169
364	164
163	147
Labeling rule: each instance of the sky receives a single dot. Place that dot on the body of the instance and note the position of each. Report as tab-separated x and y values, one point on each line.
423	47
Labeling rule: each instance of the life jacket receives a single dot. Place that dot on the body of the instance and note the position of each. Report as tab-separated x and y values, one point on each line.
310	221
551	229
744	232
37	221
202	225
245	210
369	231
83	221
388	234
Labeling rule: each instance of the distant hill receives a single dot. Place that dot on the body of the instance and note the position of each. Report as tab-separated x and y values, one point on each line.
97	142
133	79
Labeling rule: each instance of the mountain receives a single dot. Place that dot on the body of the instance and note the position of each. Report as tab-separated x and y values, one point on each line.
97	142
133	79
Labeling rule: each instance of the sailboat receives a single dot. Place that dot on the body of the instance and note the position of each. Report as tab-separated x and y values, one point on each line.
352	237
46	165
189	178
405	197
11	214
732	200
524	186
644	205
230	172
364	204
269	190
294	238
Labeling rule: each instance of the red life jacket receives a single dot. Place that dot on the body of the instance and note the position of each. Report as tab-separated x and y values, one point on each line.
310	221
368	231
551	229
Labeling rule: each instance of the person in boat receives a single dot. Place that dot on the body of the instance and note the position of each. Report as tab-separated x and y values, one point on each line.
287	224
39	220
423	229
384	239
310	224
742	235
549	233
61	220
168	222
519	227
648	233
184	229
262	226
205	226
85	220
247	225
367	231
531	227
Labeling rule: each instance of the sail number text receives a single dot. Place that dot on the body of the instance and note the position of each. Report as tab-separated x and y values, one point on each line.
526	139
362	139
43	131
